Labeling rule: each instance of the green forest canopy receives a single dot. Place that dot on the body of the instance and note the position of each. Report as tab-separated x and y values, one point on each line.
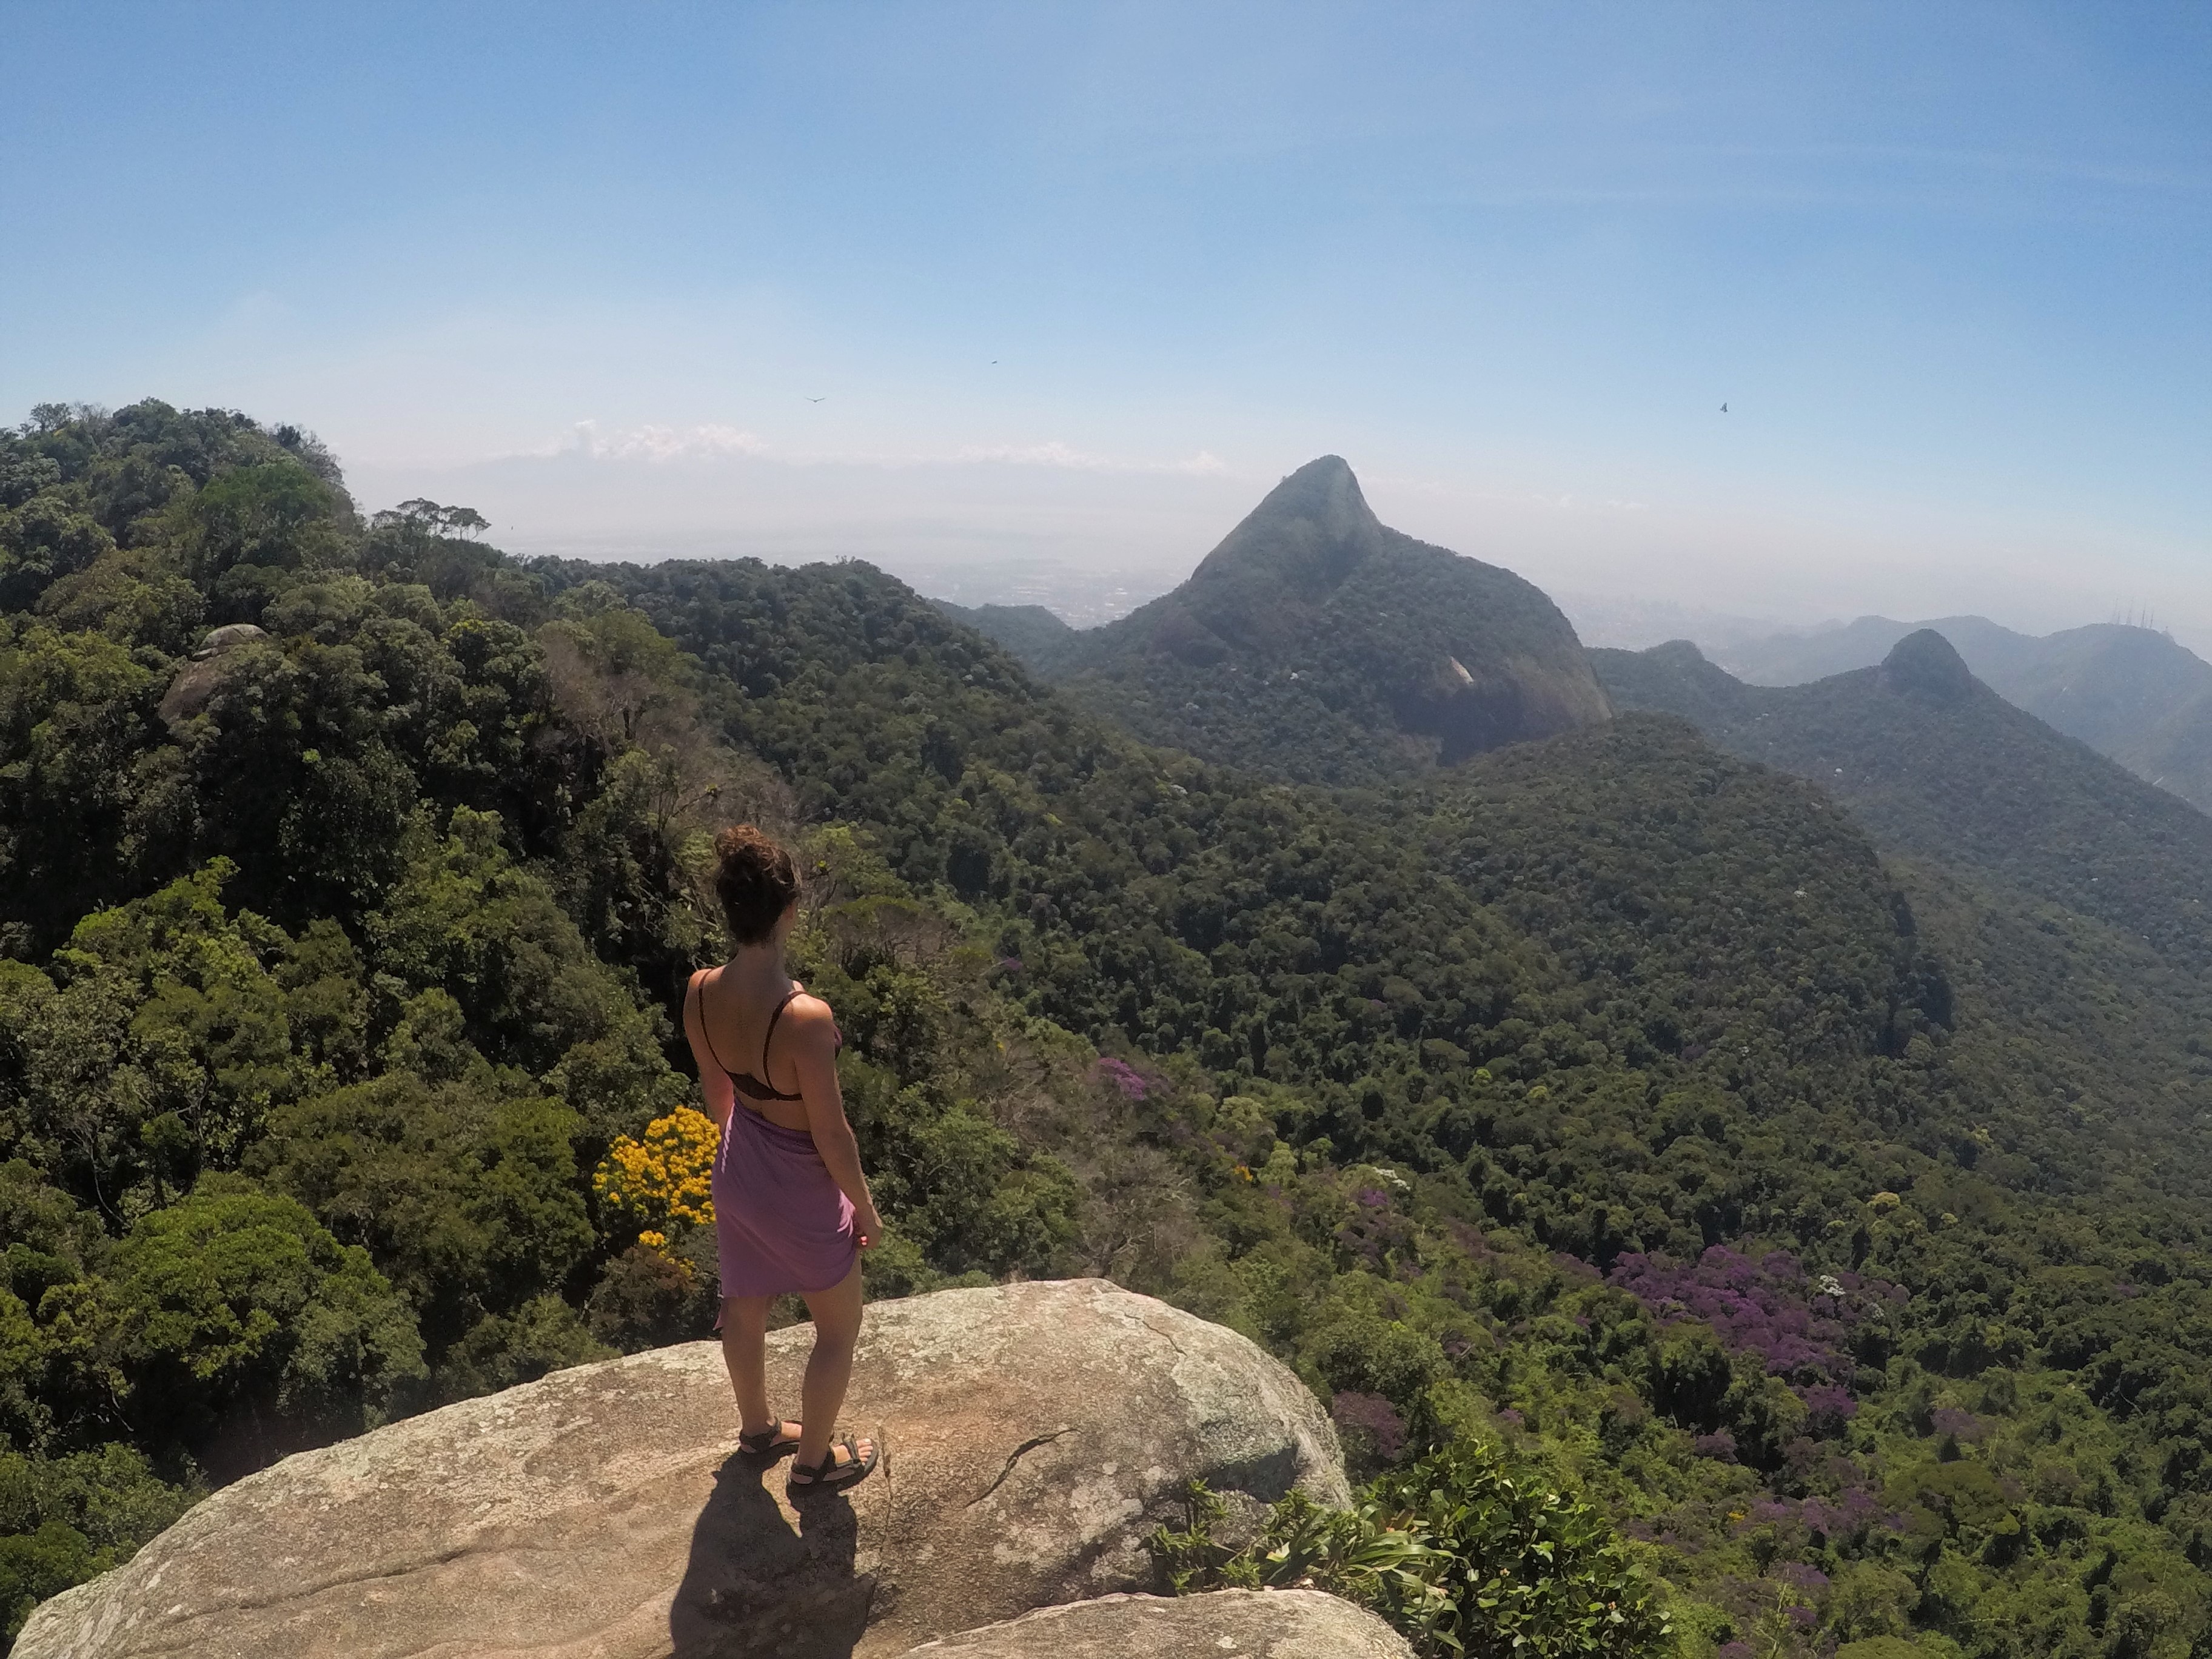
1606	1107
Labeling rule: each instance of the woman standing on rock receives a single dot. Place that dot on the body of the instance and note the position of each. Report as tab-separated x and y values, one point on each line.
792	1209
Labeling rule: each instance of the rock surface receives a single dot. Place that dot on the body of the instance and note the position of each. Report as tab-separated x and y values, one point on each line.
229	637
1034	1434
1223	1624
197	681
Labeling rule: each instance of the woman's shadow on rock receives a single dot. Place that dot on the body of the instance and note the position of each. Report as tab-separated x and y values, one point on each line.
755	1585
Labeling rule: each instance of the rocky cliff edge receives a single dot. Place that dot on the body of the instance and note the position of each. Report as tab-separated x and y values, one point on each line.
1033	1434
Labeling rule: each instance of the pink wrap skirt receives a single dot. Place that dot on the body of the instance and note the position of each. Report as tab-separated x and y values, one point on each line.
781	1223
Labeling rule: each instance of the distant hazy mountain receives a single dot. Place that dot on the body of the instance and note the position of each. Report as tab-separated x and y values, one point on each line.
2130	693
1030	631
1318	643
1941	769
1795	659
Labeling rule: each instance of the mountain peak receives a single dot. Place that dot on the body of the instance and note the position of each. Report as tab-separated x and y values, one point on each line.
1927	665
1309	533
1329	475
1318	641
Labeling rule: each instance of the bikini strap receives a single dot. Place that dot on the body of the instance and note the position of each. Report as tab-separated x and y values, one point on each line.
768	1036
699	987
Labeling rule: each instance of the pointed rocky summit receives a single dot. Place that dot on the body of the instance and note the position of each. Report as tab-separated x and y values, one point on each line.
1312	531
1318	642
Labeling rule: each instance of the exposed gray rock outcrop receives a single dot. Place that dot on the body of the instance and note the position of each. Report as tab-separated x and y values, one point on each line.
231	636
1222	1625
197	681
1033	1434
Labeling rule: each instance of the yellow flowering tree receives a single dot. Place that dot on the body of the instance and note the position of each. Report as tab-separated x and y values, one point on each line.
662	1180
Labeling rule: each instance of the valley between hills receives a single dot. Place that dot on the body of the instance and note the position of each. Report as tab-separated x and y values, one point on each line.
1768	1128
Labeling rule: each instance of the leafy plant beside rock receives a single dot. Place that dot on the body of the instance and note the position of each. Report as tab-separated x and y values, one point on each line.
1465	1550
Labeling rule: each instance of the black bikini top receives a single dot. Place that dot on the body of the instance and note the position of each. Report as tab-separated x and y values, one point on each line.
745	1082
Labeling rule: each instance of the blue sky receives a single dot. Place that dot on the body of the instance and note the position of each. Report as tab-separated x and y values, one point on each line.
1075	284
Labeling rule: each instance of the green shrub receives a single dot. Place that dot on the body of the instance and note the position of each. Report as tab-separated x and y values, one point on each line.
1463	1551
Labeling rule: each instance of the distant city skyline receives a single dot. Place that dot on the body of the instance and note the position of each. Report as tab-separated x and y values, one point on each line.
976	289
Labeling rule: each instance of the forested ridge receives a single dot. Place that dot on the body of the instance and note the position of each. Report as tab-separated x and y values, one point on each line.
1604	1116
2065	892
2129	691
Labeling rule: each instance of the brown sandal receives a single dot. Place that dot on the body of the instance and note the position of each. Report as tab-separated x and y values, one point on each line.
831	1471
770	1443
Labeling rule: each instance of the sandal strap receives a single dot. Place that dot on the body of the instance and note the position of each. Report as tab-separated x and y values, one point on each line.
830	1468
829	1459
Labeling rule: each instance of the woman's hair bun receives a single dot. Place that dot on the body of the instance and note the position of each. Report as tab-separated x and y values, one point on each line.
755	880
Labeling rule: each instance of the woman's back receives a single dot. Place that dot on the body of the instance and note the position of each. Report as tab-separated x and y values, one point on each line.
750	1030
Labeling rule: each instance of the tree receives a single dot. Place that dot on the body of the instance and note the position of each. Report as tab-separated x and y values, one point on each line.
473	1205
245	1330
275	514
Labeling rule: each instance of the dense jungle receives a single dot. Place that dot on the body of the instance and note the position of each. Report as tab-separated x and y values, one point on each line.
1630	1144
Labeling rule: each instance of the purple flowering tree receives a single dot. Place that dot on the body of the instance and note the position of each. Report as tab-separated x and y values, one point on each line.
1799	1325
1121	1077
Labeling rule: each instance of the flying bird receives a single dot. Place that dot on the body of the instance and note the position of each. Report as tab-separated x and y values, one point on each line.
1723	408
815	400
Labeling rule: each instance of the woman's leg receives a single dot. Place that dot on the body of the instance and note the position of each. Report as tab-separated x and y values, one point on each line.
836	1316
745	1350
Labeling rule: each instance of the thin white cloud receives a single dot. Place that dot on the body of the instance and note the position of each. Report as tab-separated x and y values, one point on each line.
657	444
653	443
1056	454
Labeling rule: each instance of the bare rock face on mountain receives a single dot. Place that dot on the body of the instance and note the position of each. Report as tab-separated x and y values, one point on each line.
1222	1625
1034	1434
1317	642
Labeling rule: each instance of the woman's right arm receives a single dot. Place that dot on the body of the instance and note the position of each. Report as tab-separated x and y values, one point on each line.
814	1052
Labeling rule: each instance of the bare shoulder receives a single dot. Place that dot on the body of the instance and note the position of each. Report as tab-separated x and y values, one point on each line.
809	1020
809	1014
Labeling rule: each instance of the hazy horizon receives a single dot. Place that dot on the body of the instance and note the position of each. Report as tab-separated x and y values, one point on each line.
976	289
